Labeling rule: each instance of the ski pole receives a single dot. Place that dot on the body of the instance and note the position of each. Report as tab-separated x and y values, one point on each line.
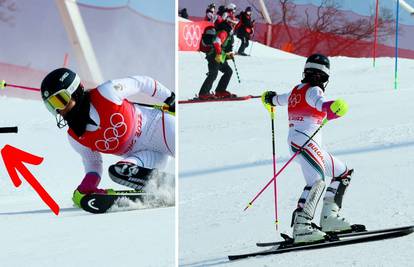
163	107
235	68
8	129
3	84
251	46
272	116
286	164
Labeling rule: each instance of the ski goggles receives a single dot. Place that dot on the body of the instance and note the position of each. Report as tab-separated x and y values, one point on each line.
58	101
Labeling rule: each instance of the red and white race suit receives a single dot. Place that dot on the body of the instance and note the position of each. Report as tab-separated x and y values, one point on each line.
305	116
144	136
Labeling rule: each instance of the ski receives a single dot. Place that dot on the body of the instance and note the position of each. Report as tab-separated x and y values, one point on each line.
377	235
237	98
101	203
351	234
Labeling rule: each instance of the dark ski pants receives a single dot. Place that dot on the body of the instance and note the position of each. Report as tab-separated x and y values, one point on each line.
244	43
213	69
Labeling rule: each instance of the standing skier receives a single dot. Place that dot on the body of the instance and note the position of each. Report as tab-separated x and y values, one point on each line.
307	108
217	57
102	120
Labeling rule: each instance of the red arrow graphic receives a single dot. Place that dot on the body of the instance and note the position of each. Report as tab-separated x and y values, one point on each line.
13	160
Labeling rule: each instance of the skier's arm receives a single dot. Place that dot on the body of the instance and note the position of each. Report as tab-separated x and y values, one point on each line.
273	99
92	160
334	109
119	89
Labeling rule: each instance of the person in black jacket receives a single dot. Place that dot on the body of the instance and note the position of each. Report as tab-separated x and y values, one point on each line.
245	29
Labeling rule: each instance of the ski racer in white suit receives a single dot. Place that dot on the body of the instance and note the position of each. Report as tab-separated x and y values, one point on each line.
102	120
307	108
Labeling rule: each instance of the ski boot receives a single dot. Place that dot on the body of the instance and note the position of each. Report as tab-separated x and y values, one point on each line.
131	175
207	96
224	94
331	221
303	230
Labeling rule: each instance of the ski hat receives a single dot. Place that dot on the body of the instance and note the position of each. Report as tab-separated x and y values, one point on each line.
248	9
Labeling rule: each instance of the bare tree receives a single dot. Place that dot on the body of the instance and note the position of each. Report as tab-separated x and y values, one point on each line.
329	22
7	7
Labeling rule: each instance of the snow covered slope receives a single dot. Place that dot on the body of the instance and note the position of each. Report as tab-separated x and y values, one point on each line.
31	235
225	158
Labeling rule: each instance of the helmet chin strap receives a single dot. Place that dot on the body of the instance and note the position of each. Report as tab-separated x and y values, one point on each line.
60	121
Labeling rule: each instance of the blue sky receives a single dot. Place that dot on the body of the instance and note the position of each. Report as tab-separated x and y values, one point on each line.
163	10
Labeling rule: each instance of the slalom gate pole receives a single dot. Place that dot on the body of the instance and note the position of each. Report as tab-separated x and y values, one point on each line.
4	84
272	116
374	52
284	166
8	129
396	45
235	68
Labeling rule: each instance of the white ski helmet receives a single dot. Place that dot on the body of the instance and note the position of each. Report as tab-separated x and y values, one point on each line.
231	6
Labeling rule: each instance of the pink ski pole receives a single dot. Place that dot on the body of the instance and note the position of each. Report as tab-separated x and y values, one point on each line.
284	166
4	84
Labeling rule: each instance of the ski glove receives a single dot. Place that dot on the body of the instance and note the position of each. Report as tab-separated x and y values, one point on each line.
267	98
219	58
335	109
229	55
170	102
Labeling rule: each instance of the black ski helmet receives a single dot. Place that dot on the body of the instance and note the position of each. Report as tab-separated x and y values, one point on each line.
317	70
61	79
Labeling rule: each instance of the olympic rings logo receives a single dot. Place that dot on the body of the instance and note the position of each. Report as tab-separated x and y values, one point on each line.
294	100
112	134
192	35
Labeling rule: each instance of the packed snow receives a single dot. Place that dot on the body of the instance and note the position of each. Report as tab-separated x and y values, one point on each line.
226	158
33	236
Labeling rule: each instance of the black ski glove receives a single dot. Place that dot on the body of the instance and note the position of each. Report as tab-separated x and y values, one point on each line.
267	98
170	101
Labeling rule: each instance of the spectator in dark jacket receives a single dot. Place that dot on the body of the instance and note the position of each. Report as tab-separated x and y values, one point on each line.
245	29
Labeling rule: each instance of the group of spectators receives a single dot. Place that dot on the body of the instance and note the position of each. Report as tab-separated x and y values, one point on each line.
220	47
243	23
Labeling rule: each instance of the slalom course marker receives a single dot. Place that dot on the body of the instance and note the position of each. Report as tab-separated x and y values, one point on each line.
8	129
396	45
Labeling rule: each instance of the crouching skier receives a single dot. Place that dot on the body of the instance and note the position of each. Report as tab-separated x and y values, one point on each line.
102	120
307	108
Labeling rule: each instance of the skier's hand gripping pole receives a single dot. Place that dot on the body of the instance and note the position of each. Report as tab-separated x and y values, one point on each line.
340	108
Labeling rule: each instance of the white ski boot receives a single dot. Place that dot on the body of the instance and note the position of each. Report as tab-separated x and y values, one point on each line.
331	221
303	231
